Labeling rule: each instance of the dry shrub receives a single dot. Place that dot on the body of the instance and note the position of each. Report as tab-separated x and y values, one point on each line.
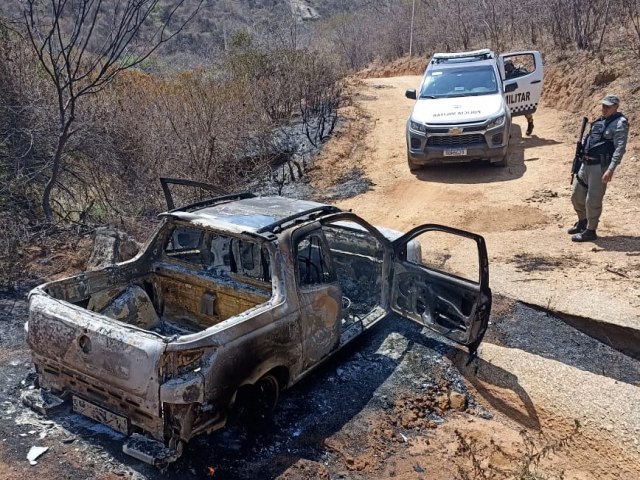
13	237
226	125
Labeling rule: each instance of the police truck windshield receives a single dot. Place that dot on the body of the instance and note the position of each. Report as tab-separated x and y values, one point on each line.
460	82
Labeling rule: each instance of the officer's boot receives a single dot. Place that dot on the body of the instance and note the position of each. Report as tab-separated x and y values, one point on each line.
586	236
529	127
578	227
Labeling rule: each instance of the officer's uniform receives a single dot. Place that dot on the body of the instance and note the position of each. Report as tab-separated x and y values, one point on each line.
603	150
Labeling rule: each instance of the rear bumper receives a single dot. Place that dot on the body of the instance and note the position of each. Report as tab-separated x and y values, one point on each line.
67	383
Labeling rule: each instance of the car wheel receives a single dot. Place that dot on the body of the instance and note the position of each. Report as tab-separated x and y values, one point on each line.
258	401
503	162
268	393
412	166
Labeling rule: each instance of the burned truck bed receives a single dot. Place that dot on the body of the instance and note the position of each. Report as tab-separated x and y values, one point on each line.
169	300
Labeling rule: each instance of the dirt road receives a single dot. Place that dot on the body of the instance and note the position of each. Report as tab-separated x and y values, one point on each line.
523	210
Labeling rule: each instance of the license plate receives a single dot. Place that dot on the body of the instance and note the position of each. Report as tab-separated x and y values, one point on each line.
455	152
102	415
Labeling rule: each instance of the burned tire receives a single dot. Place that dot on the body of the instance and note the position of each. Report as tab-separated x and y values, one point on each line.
256	403
268	393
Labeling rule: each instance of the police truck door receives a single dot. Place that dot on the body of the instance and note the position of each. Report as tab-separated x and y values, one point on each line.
528	78
440	279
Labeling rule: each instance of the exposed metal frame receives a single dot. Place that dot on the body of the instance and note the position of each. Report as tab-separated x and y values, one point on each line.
303	216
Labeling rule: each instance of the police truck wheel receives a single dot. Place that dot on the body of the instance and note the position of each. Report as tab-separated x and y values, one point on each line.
412	166
503	162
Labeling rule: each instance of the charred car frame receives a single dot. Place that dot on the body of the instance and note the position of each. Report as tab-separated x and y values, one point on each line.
231	300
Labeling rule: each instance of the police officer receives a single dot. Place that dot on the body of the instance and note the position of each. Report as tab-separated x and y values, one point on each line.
603	149
512	72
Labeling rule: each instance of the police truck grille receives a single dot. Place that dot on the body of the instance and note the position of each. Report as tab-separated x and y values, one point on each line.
452	140
471	128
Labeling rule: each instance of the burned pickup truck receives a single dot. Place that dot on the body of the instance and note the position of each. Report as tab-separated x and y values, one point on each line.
231	300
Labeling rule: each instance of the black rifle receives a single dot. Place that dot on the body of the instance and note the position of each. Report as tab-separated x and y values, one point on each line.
577	159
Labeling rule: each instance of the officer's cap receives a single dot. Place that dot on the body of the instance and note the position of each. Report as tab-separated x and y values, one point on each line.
610	100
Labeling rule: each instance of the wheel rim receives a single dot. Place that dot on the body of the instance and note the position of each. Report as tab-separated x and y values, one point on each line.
267	392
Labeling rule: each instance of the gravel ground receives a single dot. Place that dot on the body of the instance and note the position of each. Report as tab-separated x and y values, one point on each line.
552	365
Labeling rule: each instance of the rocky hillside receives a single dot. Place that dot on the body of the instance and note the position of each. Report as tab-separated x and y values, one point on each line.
217	20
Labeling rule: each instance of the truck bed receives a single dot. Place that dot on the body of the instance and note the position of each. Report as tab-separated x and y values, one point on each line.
169	300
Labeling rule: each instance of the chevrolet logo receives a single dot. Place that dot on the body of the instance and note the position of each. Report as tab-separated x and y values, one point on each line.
455	131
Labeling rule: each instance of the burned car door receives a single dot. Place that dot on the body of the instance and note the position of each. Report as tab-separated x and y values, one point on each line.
319	295
440	279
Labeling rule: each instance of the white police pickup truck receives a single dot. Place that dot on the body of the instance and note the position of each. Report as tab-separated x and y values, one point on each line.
464	106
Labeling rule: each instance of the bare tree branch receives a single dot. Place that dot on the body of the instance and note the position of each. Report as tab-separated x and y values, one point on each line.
75	67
